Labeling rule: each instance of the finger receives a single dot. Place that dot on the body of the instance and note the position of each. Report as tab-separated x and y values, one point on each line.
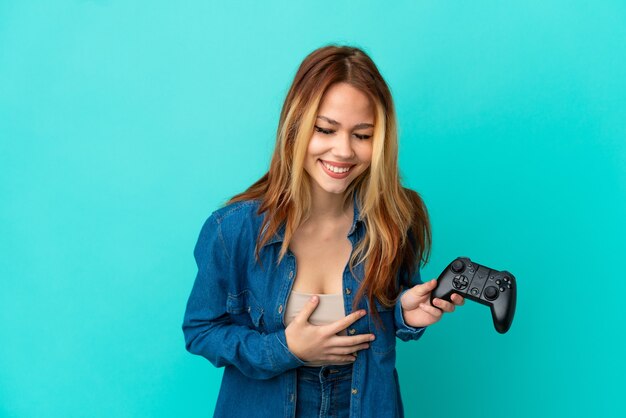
346	321
424	288
345	341
307	309
429	309
349	350
443	304
340	358
458	299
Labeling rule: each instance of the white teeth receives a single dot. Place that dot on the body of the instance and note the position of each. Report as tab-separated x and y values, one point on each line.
334	169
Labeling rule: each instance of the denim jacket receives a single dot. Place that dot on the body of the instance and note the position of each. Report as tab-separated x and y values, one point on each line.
235	318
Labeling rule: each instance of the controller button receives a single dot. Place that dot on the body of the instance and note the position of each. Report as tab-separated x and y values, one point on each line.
498	282
508	285
506	279
474	291
502	289
457	266
460	282
491	293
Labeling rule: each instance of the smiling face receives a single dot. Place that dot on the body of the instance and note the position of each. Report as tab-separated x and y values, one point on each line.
340	148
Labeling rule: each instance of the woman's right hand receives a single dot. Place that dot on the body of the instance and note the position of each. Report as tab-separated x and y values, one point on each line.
311	342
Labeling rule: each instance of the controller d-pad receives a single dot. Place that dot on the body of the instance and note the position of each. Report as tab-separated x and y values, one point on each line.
460	282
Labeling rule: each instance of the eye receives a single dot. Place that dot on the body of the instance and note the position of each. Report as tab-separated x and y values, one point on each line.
330	131
324	131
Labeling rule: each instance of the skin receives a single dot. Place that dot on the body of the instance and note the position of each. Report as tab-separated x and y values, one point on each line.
347	142
329	142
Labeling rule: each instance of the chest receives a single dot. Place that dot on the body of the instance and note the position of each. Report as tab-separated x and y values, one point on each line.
320	262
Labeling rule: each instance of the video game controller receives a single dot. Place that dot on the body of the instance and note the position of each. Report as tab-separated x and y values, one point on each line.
496	289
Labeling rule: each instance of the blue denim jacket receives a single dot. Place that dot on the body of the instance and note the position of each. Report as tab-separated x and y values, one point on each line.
235	318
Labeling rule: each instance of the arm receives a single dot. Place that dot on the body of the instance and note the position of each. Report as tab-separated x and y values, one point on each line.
207	327
403	331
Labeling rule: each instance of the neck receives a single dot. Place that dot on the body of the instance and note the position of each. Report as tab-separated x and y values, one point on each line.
329	206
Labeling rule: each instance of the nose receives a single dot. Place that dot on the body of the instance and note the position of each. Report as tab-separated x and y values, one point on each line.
343	147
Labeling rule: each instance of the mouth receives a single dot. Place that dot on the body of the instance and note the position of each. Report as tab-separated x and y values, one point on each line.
337	171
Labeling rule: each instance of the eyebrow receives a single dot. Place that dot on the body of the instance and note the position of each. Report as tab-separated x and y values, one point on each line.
357	126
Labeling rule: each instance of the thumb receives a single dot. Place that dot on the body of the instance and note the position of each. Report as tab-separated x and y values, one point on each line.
423	289
307	309
417	294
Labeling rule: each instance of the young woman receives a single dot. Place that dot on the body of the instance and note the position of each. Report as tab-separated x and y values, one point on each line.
306	279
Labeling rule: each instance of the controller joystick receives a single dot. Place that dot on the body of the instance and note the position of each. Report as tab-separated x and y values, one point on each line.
496	289
457	266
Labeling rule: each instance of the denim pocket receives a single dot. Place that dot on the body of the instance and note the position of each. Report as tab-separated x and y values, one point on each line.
243	306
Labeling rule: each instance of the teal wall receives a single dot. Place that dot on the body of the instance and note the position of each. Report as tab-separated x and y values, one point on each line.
123	124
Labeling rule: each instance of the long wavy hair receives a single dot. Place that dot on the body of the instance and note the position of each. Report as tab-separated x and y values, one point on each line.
398	236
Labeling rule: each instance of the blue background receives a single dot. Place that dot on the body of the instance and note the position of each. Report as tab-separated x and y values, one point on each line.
123	124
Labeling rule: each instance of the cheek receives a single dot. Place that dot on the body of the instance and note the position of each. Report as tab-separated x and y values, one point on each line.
365	153
315	147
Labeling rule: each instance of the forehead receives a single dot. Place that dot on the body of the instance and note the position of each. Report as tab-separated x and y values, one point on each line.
345	103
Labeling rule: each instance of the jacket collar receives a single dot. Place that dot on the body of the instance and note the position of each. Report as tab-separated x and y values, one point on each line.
279	236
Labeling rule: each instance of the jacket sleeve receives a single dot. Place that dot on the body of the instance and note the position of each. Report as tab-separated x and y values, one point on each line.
403	331
207	326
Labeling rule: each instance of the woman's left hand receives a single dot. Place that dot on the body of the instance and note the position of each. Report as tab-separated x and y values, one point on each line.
417	309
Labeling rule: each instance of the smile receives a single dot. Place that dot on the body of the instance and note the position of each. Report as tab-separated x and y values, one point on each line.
335	171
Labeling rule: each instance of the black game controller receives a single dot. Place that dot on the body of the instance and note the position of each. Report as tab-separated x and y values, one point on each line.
496	289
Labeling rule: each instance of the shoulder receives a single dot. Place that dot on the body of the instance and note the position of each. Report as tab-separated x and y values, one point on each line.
236	212
236	224
236	216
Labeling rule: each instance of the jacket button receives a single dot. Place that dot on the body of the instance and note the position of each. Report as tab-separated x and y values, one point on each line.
291	274
352	331
291	398
280	309
354	391
348	291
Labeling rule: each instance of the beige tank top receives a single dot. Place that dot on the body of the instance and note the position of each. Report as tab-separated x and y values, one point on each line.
329	309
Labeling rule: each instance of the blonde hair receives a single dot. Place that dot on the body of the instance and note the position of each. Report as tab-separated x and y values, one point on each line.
398	236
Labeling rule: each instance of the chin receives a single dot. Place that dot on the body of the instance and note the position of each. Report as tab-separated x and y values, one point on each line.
334	188
328	185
